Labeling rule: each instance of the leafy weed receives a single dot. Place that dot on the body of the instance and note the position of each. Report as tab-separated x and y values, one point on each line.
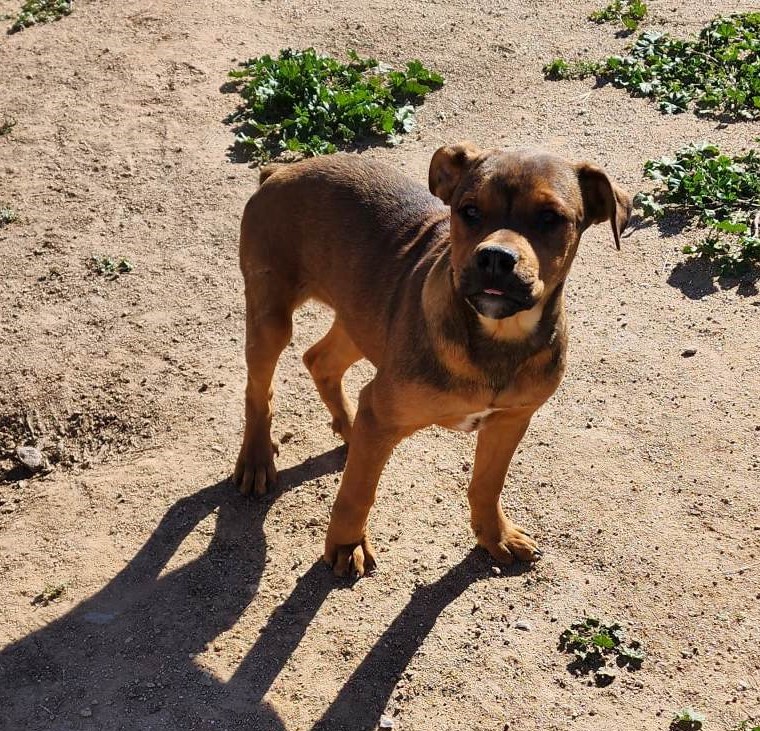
108	267
595	645
721	192
7	215
34	12
6	126
687	719
49	594
628	12
304	103
561	70
716	74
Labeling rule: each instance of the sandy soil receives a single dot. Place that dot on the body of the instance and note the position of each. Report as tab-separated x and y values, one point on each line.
185	606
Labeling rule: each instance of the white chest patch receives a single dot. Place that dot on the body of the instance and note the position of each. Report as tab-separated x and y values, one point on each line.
473	422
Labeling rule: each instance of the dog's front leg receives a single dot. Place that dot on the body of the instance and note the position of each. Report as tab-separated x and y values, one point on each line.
497	442
374	435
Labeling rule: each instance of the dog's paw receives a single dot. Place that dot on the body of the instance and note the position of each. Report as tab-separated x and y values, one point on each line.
255	471
509	543
352	560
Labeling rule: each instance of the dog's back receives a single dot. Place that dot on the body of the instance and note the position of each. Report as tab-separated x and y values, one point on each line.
312	223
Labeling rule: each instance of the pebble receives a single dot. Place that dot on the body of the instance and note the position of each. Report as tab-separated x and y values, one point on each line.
524	625
31	457
386	722
85	712
689	352
99	617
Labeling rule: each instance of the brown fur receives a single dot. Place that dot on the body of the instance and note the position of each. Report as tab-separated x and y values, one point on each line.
393	261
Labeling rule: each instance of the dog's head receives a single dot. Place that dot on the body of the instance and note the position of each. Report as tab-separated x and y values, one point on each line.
516	220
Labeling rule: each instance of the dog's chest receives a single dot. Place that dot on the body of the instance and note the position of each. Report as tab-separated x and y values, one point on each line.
473	422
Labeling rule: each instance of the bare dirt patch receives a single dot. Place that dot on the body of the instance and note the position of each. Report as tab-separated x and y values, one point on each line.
188	607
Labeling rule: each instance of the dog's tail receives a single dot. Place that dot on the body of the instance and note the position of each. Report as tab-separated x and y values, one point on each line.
268	170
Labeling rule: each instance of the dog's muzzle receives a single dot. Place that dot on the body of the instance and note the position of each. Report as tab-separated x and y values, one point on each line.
492	287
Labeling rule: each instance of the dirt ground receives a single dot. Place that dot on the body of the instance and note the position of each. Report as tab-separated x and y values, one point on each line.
186	606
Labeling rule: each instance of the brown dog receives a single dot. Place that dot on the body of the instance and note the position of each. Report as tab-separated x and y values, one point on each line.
455	297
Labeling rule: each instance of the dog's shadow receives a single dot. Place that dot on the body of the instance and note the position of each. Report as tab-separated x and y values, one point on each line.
125	657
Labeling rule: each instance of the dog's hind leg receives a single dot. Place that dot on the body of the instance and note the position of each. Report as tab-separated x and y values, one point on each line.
327	361
268	330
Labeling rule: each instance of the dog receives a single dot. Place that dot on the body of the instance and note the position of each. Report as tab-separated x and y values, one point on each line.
455	294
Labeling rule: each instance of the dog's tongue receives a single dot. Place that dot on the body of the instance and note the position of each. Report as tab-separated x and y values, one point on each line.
497	292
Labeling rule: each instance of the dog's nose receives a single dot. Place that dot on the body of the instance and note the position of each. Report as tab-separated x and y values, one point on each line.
496	260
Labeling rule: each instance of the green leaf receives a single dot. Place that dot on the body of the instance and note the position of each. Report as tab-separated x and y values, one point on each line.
603	640
731	227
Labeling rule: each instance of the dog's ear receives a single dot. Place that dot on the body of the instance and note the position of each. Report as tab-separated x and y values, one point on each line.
603	200
447	166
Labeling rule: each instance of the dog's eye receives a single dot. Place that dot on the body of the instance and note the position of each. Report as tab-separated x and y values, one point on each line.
549	218
471	214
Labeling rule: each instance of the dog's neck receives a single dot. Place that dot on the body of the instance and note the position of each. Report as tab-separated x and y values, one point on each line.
497	348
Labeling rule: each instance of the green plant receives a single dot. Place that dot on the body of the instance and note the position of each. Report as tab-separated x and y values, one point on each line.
628	12
560	70
109	267
49	594
721	192
748	726
40	11
305	103
7	125
7	215
595	645
687	719
718	73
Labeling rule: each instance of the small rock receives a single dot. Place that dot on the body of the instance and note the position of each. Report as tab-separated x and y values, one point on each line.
85	712
286	437
99	617
386	722
495	570
203	388
31	457
689	353
524	625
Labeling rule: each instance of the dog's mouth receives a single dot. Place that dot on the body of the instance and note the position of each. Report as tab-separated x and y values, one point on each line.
497	304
